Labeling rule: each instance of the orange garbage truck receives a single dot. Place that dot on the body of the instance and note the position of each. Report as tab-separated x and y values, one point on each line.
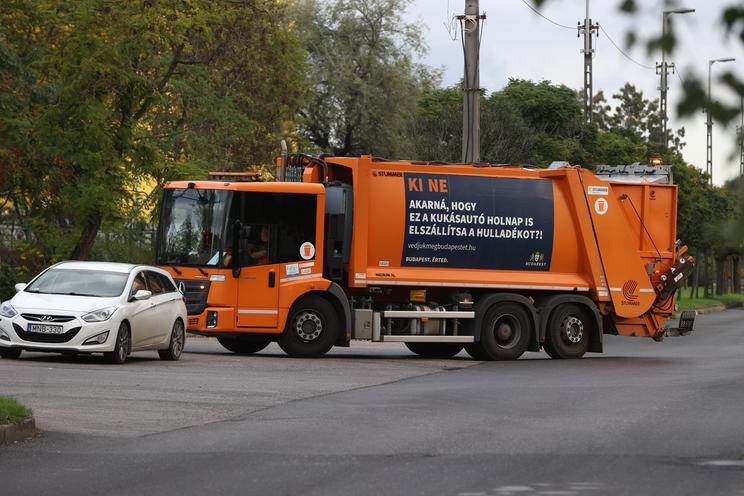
497	260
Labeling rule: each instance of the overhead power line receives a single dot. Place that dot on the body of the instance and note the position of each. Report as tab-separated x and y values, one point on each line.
533	9
623	51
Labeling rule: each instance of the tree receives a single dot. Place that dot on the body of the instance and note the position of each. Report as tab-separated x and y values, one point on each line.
435	129
364	81
105	97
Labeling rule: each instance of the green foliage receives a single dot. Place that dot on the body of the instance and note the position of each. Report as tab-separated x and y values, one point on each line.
364	80
100	98
11	411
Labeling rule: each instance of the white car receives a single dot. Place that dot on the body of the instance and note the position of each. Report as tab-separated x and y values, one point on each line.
95	307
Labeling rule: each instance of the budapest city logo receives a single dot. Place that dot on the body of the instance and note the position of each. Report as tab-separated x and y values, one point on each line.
537	259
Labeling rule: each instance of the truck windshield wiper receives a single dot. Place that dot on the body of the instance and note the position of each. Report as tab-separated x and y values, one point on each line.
172	266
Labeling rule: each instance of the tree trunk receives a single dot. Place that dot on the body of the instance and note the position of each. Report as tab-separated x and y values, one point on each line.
87	238
720	275
736	269
695	293
706	274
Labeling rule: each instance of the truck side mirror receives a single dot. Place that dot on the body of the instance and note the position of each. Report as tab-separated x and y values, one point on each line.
20	287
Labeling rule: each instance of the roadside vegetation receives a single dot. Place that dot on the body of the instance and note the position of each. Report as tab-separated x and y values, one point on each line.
11	411
699	303
100	105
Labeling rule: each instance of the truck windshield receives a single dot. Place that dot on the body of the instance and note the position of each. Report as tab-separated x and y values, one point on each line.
192	227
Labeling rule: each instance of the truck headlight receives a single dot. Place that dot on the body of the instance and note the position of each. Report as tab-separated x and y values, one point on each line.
101	315
7	310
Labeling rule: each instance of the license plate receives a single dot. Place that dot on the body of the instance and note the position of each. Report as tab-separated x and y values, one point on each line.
45	329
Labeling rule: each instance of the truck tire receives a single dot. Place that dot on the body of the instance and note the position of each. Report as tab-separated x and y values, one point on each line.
312	328
569	330
435	350
506	332
245	345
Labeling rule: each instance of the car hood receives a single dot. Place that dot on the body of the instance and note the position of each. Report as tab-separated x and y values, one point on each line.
70	305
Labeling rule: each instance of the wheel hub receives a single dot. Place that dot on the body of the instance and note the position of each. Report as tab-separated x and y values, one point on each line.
308	326
573	329
507	331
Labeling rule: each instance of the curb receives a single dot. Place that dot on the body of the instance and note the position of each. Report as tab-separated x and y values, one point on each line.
717	308
13	433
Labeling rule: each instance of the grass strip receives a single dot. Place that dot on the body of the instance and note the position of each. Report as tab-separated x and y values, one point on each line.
12	412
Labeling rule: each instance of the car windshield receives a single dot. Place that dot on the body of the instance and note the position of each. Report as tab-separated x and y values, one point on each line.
79	282
192	227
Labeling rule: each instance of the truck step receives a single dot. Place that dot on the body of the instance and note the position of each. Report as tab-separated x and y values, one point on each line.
428	339
685	326
417	314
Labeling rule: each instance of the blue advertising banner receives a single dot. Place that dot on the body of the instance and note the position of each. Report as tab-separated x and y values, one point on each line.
478	222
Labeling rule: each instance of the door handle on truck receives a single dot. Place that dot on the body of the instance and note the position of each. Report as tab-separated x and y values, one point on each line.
272	278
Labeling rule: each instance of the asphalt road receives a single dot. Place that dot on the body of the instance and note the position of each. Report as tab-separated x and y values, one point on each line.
643	418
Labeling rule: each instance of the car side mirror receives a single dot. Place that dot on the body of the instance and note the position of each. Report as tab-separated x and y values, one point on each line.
20	287
142	294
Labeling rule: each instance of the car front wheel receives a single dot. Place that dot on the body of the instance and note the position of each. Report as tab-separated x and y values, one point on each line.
121	347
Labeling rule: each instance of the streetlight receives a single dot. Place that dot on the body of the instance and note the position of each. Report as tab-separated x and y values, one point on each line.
662	70
709	123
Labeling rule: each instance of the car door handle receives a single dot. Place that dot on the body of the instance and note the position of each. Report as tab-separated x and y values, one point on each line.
272	278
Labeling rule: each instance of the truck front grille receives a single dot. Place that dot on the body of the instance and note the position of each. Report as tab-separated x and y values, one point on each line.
196	293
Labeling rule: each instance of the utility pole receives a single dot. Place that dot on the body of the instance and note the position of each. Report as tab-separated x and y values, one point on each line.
470	27
588	29
740	134
709	123
662	70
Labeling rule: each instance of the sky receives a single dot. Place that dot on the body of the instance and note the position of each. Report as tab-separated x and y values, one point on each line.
517	43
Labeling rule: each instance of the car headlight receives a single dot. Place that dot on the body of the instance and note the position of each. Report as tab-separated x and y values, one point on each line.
101	315
7	310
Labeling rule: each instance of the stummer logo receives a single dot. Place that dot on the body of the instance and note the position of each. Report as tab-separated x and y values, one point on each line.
629	293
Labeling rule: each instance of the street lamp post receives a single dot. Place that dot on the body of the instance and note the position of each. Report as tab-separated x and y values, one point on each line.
709	123
663	70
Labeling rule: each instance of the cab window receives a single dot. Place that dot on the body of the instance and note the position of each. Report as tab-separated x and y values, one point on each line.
270	228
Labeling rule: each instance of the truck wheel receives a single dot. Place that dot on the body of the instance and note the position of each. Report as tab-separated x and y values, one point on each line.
506	332
312	328
569	329
435	350
245	345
